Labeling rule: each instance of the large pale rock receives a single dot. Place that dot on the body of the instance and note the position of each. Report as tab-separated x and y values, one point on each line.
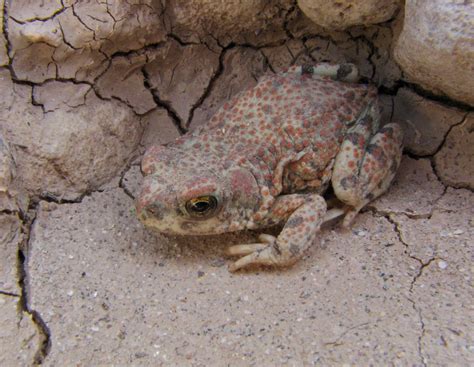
75	43
414	190
30	10
160	128
12	197
6	165
425	123
249	21
20	340
346	13
436	47
177	80
3	41
455	161
10	239
124	81
78	146
281	57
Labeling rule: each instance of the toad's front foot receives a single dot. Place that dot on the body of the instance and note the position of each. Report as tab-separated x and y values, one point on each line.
265	253
297	235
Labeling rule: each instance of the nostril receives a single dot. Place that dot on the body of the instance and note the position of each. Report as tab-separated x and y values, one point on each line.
154	209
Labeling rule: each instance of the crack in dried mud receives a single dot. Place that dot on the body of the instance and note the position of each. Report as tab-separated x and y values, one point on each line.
422	266
22	263
9	294
160	103
207	91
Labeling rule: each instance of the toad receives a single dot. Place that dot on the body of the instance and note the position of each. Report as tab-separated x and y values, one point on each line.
267	157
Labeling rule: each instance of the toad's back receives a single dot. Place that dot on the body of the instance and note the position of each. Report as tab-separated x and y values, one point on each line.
282	115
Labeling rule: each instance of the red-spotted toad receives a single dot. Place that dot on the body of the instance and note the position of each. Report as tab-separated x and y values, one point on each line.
266	158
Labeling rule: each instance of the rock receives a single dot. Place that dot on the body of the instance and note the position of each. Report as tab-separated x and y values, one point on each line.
386	108
75	43
242	68
13	199
3	41
386	71
57	95
19	338
281	57
10	240
347	13
178	82
439	58
123	26
414	190
6	166
258	21
124	81
425	123
160	128
70	150
28	11
455	161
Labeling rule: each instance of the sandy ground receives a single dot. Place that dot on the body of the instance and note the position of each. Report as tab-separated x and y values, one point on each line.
396	289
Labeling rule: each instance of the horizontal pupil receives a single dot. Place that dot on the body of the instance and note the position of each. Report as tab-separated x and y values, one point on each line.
201	206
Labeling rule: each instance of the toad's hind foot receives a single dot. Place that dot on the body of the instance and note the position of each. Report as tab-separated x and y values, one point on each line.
366	165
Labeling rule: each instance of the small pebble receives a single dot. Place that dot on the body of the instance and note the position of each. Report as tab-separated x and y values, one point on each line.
360	232
442	264
218	263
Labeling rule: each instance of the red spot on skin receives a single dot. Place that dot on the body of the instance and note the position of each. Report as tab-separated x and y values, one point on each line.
351	164
242	184
197	188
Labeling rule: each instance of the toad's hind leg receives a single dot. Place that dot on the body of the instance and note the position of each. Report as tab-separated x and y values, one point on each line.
341	72
366	165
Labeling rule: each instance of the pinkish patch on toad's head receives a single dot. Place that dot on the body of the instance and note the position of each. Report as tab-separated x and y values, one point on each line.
178	199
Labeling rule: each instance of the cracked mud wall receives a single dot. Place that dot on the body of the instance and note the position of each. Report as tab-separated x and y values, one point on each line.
85	87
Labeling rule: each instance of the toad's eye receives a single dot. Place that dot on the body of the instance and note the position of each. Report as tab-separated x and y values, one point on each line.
202	206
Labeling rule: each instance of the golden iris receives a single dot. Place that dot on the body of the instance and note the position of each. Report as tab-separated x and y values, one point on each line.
201	206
